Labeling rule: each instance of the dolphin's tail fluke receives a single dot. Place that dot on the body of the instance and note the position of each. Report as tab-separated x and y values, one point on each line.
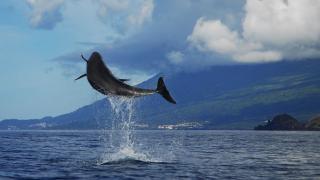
162	89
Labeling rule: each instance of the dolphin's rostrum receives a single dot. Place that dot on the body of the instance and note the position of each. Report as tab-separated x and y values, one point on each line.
102	80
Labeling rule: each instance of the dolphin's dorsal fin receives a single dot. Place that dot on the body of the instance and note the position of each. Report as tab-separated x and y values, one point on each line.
124	80
83	75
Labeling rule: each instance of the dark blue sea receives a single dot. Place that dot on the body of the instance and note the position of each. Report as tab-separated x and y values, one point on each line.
171	154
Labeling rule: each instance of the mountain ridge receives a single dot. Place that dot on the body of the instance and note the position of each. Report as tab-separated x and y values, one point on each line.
220	97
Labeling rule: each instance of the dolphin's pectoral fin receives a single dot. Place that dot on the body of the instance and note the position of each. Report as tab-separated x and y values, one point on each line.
124	80
83	75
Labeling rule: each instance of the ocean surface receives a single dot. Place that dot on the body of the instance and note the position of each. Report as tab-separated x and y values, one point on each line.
171	154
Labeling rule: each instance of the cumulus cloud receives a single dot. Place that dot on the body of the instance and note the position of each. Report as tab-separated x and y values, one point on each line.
282	22
125	15
225	35
175	57
292	26
143	14
159	45
260	56
214	36
45	14
122	16
272	30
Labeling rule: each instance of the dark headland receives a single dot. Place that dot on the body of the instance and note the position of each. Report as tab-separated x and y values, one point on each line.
289	123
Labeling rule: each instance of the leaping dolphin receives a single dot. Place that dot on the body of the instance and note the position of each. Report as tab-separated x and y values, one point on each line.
102	80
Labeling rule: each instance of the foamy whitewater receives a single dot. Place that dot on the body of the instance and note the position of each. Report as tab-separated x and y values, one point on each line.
122	144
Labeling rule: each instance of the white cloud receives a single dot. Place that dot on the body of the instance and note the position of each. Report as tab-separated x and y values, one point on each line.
272	30
175	57
214	36
210	35
282	23
45	14
125	15
260	56
122	16
143	14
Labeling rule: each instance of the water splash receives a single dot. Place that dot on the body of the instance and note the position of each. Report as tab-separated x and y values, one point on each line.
122	144
122	121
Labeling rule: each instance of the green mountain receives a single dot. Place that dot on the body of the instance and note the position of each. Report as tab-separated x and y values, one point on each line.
220	97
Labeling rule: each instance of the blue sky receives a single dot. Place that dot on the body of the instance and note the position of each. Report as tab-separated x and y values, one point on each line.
41	43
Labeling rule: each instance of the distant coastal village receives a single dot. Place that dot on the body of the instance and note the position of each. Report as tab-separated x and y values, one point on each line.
187	125
281	122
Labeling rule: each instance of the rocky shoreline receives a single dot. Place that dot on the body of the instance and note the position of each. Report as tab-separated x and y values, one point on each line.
289	123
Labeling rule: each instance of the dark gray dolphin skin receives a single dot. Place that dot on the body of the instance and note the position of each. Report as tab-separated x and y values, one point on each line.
102	80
